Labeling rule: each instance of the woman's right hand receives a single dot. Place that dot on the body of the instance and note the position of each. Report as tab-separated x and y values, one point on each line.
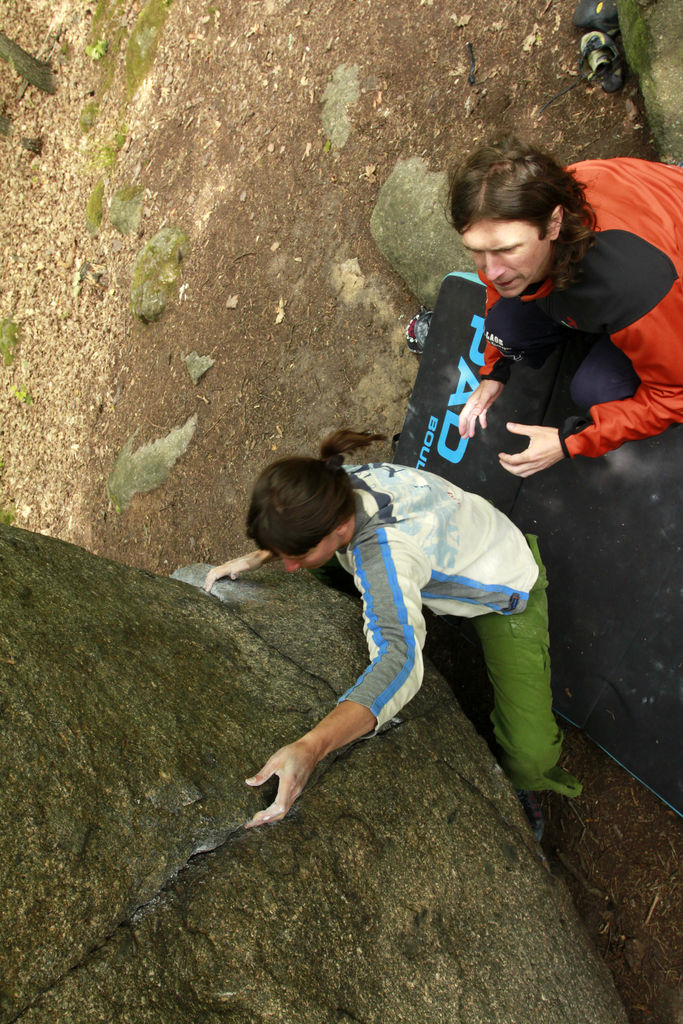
235	566
476	406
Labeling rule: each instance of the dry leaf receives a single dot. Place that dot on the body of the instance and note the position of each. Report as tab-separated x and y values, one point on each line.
634	951
462	21
280	311
531	40
369	172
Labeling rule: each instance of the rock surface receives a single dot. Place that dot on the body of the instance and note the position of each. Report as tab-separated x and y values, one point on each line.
411	229
404	886
93	211
652	32
197	365
156	272
125	209
9	340
136	471
341	93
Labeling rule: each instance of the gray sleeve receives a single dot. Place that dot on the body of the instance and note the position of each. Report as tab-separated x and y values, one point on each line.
389	573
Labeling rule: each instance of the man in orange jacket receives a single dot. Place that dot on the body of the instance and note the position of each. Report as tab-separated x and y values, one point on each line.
594	250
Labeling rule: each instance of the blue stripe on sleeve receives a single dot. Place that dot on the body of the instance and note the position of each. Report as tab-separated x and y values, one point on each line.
498	588
464	600
375	628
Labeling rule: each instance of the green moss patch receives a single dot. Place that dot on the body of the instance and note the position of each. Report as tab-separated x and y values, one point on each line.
9	340
93	211
88	116
125	209
143	43
156	272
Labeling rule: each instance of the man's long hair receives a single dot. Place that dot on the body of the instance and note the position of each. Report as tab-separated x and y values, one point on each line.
510	180
297	501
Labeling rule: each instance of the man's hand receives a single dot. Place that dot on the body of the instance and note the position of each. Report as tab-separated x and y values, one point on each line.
476	405
544	450
295	762
236	566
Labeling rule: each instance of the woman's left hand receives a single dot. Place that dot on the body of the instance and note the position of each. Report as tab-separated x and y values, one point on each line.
294	765
544	450
295	762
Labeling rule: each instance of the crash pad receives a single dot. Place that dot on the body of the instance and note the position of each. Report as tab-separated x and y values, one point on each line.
610	533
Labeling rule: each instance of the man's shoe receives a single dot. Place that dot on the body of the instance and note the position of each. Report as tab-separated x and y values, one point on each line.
417	331
598	14
602	61
532	809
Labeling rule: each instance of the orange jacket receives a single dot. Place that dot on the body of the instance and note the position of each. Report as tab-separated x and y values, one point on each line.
631	289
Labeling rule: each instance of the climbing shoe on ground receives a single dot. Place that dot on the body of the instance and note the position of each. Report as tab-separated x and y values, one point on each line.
598	14
532	809
602	61
417	331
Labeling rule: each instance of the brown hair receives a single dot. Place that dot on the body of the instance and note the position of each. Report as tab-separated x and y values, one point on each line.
298	501
510	180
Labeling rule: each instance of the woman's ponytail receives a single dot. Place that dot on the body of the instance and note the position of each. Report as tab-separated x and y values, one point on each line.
298	501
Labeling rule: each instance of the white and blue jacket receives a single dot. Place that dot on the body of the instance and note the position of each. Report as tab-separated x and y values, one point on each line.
419	539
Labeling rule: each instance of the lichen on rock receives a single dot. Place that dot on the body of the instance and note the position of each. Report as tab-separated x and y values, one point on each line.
197	365
9	340
136	472
125	209
143	43
156	272
93	211
342	91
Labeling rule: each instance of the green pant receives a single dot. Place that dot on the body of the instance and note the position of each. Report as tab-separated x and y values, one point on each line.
518	665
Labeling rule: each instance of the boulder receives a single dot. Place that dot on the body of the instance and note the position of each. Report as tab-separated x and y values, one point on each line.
341	93
88	117
93	210
197	365
156	272
403	886
125	209
10	336
143	43
411	229
652	31
139	470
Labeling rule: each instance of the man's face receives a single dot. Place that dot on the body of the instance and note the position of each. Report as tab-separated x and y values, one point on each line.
511	253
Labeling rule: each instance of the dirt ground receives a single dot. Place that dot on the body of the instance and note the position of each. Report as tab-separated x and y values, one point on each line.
284	288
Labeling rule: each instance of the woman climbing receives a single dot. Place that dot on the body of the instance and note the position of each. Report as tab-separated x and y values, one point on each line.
410	538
